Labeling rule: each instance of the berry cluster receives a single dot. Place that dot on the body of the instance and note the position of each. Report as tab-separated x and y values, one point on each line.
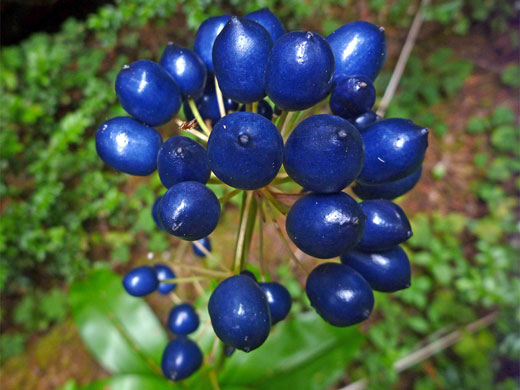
242	140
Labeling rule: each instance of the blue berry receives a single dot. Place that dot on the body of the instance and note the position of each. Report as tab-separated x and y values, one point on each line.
389	190
394	148
148	93
180	359
141	281
155	212
239	313
352	96
325	225
182	159
249	274
245	150
269	21
339	294
359	48
128	146
264	109
386	226
205	38
183	319
386	271
366	119
186	68
299	71
164	273
279	300
189	210
206	243
324	153
240	56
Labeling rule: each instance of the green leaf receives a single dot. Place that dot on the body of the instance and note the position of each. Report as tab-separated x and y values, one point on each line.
303	353
121	331
131	382
511	76
503	115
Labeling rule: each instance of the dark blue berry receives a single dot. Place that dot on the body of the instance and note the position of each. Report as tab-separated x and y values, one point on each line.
269	21
239	313
148	93
128	146
389	190
182	159
240	56
386	271
183	319
186	68
279	300
386	226
394	148
325	225
155	212
206	243
352	96
205	38
264	109
324	153
141	281
339	294
299	71
164	273
245	150
249	274
229	350
359	48
189	210
366	119
181	358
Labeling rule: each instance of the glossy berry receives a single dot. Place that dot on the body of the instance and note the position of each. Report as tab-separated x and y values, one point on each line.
186	68
339	294
205	38
352	96
359	48
279	300
386	226
141	281
206	243
128	146
207	104
324	153
264	109
325	225
239	313
390	190
240	56
155	212
182	159
148	93
394	148
245	150
386	271
183	319
366	119
249	274
269	21
299	71
189	210
181	358
164	273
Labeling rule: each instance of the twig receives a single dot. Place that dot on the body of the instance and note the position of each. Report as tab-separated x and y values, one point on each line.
210	256
220	99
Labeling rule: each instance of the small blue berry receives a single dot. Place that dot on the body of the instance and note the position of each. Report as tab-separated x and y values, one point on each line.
269	21
205	38
249	274
183	319
386	271
164	273
182	159
279	300
141	281
339	294
147	92
390	190
128	146
206	243
155	212
366	119
264	109
180	359
352	96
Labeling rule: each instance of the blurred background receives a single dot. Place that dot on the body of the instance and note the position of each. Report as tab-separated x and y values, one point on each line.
64	213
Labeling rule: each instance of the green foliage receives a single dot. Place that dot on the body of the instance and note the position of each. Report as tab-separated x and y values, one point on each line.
11	345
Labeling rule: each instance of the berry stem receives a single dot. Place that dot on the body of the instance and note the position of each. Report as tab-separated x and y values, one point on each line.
198	117
215	180
281	120
209	272
211	257
254	107
226	197
285	126
220	99
282	208
290	127
249	107
239	248
261	219
175	298
188	279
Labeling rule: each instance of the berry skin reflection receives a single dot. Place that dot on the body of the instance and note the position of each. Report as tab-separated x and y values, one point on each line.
243	89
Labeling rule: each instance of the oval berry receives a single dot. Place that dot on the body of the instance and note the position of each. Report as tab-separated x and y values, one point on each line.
183	319
366	119
391	190
180	359
352	96
269	21
141	281
205	38
164	273
279	300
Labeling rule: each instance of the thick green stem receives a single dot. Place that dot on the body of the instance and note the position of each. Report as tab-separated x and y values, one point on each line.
198	117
